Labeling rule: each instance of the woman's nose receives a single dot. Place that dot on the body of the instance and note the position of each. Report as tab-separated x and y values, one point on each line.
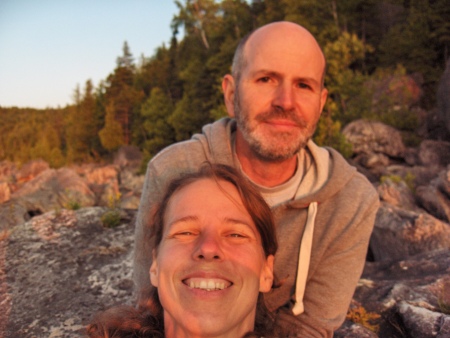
208	248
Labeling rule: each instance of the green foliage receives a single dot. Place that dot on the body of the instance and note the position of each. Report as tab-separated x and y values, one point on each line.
71	200
158	132
420	39
111	136
82	129
122	97
409	179
391	95
72	205
111	218
114	200
170	95
342	81
328	133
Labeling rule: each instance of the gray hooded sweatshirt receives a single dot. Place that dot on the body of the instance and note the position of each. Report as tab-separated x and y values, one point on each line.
323	233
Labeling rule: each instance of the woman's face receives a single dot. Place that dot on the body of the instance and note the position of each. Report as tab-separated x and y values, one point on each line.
210	264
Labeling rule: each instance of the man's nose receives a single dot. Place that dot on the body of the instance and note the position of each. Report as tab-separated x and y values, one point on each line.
208	248
284	97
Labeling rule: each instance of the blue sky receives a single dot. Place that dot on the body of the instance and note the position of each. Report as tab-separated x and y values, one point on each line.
48	47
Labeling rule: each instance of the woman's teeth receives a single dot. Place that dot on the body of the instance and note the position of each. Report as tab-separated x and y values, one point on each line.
207	284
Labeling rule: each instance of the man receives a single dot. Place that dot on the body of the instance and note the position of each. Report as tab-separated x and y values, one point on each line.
324	210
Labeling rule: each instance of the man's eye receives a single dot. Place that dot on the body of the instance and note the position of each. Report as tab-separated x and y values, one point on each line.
304	85
264	79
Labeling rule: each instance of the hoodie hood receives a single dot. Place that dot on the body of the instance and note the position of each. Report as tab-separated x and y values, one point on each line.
320	164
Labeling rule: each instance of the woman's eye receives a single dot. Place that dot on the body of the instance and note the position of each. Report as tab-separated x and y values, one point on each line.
238	235
184	234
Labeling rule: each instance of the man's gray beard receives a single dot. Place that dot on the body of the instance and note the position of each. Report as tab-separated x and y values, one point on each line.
263	152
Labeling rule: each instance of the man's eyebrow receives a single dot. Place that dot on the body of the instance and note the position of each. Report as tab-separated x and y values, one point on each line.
268	72
265	72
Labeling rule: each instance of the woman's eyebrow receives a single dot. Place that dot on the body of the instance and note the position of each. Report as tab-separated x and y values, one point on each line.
184	219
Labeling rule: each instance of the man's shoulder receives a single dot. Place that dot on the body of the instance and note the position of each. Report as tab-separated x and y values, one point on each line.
211	145
346	175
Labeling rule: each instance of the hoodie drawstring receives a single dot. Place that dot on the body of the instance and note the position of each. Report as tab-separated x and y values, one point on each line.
304	257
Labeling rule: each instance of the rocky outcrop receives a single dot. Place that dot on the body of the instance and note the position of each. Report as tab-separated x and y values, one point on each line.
412	295
405	287
368	137
399	234
58	269
59	266
35	189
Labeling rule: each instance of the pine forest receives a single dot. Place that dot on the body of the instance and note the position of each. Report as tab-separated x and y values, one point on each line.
153	101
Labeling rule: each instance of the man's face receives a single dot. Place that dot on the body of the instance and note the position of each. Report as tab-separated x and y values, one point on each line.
279	97
210	265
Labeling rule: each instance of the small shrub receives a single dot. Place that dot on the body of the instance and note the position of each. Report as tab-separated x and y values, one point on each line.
72	202
72	205
360	316
396	179
114	200
444	297
328	133
111	218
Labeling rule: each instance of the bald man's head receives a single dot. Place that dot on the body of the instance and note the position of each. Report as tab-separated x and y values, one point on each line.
276	32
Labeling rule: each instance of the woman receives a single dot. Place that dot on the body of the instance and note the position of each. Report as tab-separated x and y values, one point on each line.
214	249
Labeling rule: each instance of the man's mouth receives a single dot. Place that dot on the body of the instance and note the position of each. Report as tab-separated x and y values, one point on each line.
207	284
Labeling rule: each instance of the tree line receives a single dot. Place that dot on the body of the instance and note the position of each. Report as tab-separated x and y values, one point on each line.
155	101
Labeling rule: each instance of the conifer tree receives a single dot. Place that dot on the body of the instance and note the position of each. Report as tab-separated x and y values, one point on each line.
111	136
121	94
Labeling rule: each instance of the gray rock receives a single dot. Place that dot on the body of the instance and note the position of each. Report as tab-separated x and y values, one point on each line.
129	157
397	194
53	189
434	153
30	170
352	330
400	233
13	213
409	295
5	192
58	269
423	323
434	201
371	137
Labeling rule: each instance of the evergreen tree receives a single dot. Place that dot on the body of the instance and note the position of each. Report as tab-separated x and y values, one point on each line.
81	130
111	136
156	111
121	94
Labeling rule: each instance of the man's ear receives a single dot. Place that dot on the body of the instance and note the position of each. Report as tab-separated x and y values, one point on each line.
323	98
266	278
228	87
154	270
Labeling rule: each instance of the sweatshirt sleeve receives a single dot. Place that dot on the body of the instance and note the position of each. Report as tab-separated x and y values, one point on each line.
142	256
341	249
